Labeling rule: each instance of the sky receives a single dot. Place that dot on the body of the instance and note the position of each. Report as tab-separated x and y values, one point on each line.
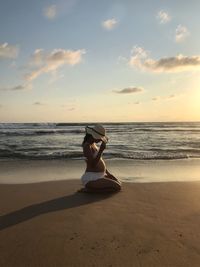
99	61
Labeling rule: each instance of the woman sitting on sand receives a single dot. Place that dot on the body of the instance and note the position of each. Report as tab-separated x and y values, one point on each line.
96	177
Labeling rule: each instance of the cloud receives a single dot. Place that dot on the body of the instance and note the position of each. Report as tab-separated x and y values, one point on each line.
109	24
181	33
71	103
70	106
19	87
140	59
38	57
157	98
129	90
163	17
8	51
50	12
137	54
38	104
61	8
71	109
67	107
50	62
170	96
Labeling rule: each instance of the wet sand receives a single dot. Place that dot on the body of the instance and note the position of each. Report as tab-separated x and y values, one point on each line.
145	224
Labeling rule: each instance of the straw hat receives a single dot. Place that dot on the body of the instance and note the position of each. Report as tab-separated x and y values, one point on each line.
98	132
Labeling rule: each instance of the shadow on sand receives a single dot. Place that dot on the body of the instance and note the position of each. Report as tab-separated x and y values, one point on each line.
67	202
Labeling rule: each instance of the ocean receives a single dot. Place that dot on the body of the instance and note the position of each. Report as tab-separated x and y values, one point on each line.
141	141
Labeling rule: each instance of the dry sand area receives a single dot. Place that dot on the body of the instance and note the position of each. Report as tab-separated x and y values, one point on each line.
147	224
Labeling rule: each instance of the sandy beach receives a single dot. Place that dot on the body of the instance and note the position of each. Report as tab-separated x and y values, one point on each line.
99	89
145	224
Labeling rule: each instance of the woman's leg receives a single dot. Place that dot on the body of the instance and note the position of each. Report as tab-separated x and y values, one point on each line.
112	177
104	183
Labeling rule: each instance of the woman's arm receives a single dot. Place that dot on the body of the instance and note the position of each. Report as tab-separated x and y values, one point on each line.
107	172
110	176
96	160
101	149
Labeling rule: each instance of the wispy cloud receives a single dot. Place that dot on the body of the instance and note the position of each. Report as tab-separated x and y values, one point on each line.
71	109
69	102
140	59
19	87
163	17
38	104
61	8
109	24
70	106
50	12
156	98
129	90
169	97
8	51
50	62
137	55
181	33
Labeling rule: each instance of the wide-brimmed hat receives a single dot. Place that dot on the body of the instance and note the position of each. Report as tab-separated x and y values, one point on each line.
98	132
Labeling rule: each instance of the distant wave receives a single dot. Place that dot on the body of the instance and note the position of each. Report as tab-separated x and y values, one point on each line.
38	132
18	132
4	153
34	154
26	125
166	129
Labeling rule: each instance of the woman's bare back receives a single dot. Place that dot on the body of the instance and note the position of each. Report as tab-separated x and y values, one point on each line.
100	166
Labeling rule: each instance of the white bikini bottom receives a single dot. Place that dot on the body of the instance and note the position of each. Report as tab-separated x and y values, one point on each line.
91	176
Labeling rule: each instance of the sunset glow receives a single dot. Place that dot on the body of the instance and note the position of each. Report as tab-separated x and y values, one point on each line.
78	61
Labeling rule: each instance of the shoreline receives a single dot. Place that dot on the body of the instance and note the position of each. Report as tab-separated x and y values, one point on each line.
132	171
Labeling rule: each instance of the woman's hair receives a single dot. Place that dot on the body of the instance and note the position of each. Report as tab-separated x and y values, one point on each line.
87	136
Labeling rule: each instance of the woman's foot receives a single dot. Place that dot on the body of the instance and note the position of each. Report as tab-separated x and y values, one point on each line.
83	190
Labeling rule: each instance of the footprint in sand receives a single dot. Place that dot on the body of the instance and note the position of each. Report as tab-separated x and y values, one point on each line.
179	233
73	237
